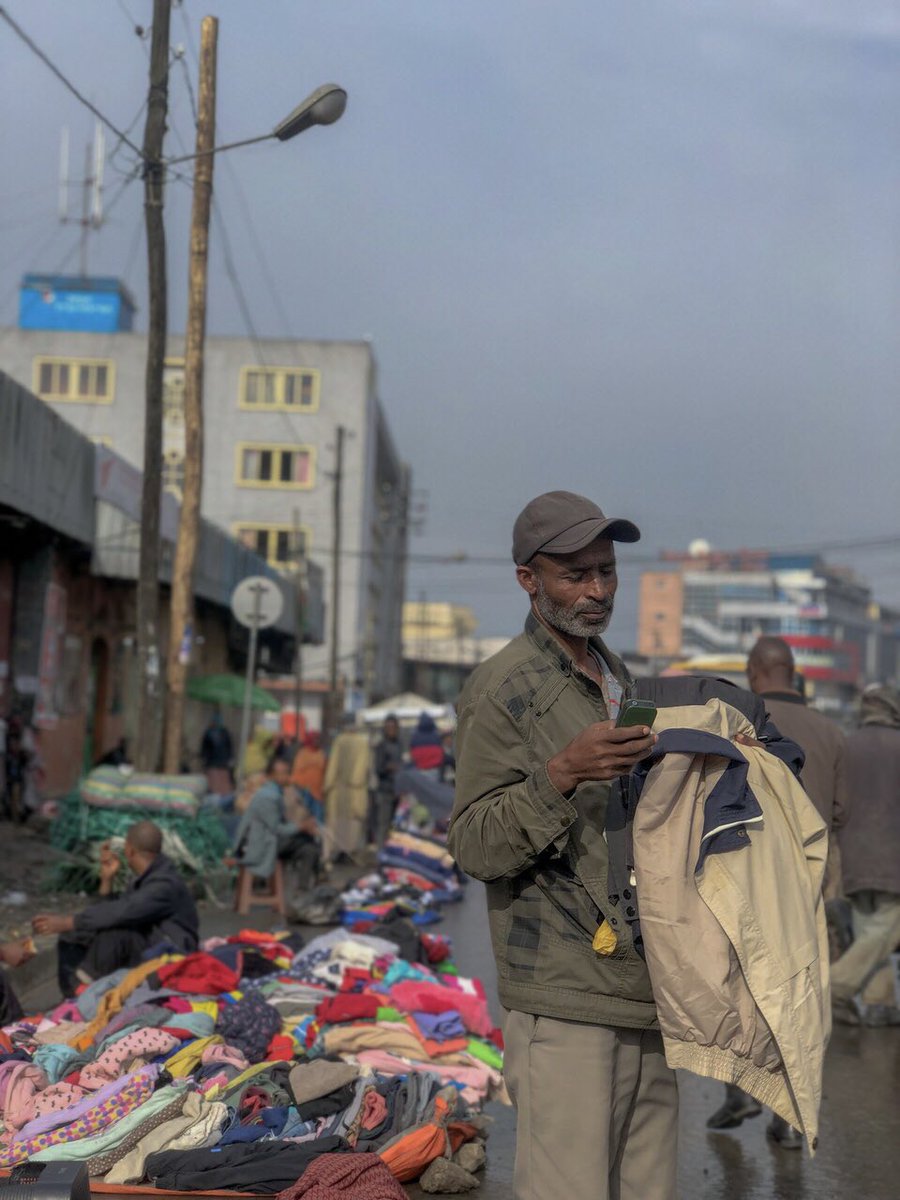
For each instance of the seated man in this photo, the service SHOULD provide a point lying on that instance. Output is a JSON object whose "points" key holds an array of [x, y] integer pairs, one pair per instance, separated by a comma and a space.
{"points": [[116, 931], [276, 826]]}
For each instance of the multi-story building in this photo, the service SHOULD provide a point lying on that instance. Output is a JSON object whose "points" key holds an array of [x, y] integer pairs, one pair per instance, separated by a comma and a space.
{"points": [[272, 411], [711, 607]]}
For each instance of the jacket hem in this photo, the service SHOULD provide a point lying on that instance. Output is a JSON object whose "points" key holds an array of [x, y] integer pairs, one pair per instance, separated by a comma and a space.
{"points": [[714, 1062], [566, 1004]]}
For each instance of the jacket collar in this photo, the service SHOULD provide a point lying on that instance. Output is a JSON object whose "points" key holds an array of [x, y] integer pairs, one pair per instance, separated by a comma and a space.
{"points": [[160, 863], [562, 659]]}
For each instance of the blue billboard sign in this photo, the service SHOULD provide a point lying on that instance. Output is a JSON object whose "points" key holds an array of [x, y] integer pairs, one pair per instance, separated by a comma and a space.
{"points": [[93, 305]]}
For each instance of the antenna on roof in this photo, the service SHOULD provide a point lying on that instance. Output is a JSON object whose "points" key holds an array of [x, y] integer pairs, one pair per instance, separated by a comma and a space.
{"points": [[91, 186]]}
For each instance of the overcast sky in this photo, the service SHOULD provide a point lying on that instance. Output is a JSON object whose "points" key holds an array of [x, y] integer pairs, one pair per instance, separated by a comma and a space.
{"points": [[644, 249]]}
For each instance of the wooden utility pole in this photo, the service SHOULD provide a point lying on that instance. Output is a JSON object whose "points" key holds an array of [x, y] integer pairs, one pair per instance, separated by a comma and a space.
{"points": [[334, 704], [182, 606], [149, 699], [300, 555]]}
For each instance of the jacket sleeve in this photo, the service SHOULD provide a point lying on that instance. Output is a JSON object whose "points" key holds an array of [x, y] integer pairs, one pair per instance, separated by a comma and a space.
{"points": [[135, 909], [507, 813], [841, 808]]}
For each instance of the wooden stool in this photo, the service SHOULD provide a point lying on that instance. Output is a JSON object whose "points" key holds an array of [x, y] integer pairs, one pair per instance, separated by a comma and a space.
{"points": [[246, 898]]}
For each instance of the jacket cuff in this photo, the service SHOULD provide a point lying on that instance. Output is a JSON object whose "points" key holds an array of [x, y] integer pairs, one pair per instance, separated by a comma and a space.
{"points": [[554, 811]]}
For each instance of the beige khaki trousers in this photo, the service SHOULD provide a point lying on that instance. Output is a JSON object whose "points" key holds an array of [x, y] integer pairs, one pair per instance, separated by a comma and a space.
{"points": [[597, 1111], [876, 933]]}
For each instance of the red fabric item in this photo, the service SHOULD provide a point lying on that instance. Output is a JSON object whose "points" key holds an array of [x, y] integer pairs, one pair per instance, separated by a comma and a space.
{"points": [[75, 1078], [348, 1007], [414, 996], [426, 758], [199, 974], [436, 947], [496, 1036], [6, 1046], [355, 978], [281, 1048], [178, 1004], [345, 1177], [312, 1032]]}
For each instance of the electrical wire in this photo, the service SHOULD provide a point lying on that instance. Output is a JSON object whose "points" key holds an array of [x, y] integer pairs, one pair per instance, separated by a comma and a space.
{"points": [[36, 50]]}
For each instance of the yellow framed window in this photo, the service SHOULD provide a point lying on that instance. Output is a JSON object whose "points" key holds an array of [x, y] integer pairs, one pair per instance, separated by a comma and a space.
{"points": [[267, 388], [274, 466], [75, 380], [281, 545]]}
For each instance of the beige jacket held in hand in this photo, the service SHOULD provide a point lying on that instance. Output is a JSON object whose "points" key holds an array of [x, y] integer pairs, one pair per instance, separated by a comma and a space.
{"points": [[737, 950]]}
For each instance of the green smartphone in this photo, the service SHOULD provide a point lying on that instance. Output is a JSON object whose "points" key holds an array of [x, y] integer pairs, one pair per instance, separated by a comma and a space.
{"points": [[636, 712]]}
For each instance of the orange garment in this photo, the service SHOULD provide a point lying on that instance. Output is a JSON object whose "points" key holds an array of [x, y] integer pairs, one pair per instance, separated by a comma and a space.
{"points": [[435, 1049], [408, 1157], [308, 771], [114, 1000]]}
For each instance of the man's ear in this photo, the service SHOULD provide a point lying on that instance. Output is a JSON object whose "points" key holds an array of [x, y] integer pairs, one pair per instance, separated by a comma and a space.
{"points": [[527, 577]]}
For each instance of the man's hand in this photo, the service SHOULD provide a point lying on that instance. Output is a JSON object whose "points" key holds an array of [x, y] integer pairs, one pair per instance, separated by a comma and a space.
{"points": [[599, 753], [16, 953], [109, 868], [744, 739], [52, 923]]}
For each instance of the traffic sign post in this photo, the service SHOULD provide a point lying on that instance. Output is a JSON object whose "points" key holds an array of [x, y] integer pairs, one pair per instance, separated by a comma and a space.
{"points": [[257, 603]]}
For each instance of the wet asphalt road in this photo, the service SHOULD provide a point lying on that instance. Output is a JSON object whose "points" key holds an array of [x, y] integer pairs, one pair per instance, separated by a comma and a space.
{"points": [[859, 1141]]}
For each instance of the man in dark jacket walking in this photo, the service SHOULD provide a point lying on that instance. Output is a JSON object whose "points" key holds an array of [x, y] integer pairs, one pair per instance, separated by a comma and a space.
{"points": [[870, 845], [537, 751], [116, 931]]}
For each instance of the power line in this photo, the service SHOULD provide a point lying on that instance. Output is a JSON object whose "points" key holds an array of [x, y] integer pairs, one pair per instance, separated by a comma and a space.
{"points": [[36, 50]]}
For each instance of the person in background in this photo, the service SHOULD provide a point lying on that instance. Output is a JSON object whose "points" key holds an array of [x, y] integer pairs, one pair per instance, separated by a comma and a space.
{"points": [[260, 749], [274, 829], [308, 768], [772, 675], [346, 792], [870, 846], [17, 759], [116, 931], [426, 747], [388, 761], [217, 756], [12, 954]]}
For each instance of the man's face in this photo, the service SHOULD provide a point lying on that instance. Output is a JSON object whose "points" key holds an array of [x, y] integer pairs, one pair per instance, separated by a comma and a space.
{"points": [[574, 593], [391, 730], [281, 772]]}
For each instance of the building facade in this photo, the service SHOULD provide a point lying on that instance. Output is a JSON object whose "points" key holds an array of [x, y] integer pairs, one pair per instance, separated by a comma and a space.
{"points": [[711, 607], [272, 410], [69, 525]]}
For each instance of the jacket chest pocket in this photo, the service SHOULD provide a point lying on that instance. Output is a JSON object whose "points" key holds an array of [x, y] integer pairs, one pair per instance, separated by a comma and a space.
{"points": [[557, 712]]}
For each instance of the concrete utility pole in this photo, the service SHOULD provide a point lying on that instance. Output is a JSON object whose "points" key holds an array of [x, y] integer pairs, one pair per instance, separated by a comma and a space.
{"points": [[334, 705], [149, 700], [182, 605]]}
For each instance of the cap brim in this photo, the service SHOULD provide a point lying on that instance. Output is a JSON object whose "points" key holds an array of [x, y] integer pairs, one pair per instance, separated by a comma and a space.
{"points": [[617, 529]]}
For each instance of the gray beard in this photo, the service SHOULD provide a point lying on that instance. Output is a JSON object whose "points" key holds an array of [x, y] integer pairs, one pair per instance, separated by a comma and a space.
{"points": [[565, 620]]}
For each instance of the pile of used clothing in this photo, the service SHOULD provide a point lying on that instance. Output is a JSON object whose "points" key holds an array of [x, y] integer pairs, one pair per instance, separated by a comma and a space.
{"points": [[416, 878], [261, 1065]]}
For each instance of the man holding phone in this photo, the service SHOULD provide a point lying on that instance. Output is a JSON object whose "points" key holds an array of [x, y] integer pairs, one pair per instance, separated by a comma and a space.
{"points": [[538, 751]]}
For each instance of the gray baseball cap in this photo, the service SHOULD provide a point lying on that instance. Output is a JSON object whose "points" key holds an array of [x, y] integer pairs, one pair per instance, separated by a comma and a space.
{"points": [[563, 522]]}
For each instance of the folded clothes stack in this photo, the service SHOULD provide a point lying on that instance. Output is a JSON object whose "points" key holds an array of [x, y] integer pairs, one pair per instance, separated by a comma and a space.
{"points": [[261, 1065]]}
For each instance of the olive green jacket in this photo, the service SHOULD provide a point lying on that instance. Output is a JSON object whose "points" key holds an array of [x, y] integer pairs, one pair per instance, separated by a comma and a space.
{"points": [[542, 855]]}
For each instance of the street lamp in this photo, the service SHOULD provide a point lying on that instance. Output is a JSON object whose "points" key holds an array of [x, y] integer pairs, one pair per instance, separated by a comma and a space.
{"points": [[322, 107]]}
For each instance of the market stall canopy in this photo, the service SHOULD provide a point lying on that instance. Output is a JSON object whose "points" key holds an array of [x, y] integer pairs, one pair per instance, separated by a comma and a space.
{"points": [[229, 690]]}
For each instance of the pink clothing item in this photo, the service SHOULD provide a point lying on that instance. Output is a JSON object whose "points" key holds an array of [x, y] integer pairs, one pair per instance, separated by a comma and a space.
{"points": [[134, 1091], [477, 1082], [19, 1085], [57, 1098], [67, 1011], [414, 996], [227, 1055], [116, 1060], [215, 1081]]}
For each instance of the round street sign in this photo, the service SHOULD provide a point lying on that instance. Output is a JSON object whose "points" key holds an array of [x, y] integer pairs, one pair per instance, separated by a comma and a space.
{"points": [[257, 602]]}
